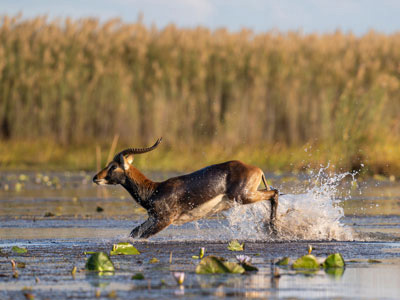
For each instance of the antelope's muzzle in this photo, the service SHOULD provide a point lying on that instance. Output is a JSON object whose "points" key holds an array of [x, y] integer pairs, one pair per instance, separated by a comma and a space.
{"points": [[98, 181]]}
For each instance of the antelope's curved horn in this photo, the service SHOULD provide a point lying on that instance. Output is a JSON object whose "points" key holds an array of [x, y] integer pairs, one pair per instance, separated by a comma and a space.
{"points": [[138, 150]]}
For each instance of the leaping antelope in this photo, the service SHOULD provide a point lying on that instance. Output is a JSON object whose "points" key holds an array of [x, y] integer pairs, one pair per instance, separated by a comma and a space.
{"points": [[189, 197]]}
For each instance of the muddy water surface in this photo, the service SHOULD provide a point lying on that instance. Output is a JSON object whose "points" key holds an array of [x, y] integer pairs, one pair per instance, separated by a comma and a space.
{"points": [[59, 216]]}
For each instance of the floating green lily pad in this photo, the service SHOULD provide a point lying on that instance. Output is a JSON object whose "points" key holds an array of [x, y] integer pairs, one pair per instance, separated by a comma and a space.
{"points": [[283, 261], [138, 276], [249, 267], [124, 249], [235, 246], [217, 265], [306, 262], [19, 250], [334, 261], [99, 262], [154, 260], [374, 261]]}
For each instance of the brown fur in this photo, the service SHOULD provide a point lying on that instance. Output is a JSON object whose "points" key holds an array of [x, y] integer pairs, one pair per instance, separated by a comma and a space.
{"points": [[182, 199]]}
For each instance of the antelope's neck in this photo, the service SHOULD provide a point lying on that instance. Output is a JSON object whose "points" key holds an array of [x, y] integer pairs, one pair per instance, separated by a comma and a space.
{"points": [[139, 186]]}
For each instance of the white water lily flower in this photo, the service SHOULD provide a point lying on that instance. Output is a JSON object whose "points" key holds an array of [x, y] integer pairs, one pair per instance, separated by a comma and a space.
{"points": [[242, 259], [179, 277]]}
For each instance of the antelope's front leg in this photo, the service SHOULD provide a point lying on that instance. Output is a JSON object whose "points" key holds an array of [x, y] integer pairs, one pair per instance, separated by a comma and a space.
{"points": [[150, 227], [156, 227], [137, 231]]}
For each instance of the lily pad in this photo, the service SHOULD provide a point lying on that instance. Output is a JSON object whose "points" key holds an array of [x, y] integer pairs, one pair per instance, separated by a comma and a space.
{"points": [[308, 261], [154, 260], [283, 261], [124, 248], [217, 265], [235, 246], [374, 261], [334, 261], [138, 276], [19, 250], [99, 262], [249, 267]]}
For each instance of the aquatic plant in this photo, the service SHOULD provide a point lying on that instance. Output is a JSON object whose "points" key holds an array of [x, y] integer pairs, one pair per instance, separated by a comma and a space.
{"points": [[217, 265], [19, 250], [124, 249], [201, 254], [283, 261], [334, 261], [245, 262], [154, 260], [243, 259], [235, 246], [179, 277], [138, 276], [99, 262], [306, 262]]}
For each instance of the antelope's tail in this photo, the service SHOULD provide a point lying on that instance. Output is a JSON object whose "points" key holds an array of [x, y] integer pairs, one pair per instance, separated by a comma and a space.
{"points": [[269, 188], [265, 182]]}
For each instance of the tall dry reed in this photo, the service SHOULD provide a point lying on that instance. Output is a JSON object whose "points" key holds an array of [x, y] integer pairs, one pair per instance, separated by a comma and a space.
{"points": [[77, 81]]}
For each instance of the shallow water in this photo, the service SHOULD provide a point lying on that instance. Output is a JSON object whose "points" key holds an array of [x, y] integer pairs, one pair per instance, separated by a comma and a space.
{"points": [[58, 216]]}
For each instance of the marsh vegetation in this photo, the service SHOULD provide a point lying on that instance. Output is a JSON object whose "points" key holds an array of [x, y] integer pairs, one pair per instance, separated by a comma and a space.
{"points": [[67, 85]]}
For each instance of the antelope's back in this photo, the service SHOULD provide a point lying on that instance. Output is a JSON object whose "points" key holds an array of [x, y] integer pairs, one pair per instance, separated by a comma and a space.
{"points": [[211, 181]]}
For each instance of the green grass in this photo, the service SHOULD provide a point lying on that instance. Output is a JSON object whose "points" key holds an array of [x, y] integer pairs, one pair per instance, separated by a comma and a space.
{"points": [[41, 155]]}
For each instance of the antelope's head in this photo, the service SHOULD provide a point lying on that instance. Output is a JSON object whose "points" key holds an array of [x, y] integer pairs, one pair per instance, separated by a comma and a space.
{"points": [[116, 171]]}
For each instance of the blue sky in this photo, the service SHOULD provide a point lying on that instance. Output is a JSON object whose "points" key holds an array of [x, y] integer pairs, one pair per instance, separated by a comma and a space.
{"points": [[321, 16]]}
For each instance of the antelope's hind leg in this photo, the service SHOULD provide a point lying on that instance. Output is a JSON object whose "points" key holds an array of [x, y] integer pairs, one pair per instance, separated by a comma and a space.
{"points": [[270, 195], [274, 199]]}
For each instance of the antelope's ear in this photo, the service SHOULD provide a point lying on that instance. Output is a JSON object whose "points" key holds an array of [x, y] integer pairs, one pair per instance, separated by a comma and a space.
{"points": [[126, 161], [129, 158]]}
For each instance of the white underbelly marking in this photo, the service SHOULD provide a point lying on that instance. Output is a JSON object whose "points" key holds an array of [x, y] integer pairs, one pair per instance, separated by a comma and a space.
{"points": [[212, 206]]}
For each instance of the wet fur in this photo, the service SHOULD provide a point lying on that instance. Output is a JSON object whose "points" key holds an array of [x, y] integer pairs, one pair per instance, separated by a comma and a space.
{"points": [[189, 197]]}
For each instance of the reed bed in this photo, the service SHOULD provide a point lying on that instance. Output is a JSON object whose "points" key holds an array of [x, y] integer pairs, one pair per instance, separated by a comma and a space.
{"points": [[77, 83]]}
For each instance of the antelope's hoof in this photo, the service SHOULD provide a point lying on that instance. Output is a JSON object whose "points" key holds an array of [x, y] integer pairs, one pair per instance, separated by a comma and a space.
{"points": [[134, 234], [272, 229]]}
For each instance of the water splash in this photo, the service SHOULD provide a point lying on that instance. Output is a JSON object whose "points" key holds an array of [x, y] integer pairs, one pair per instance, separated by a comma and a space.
{"points": [[313, 214]]}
